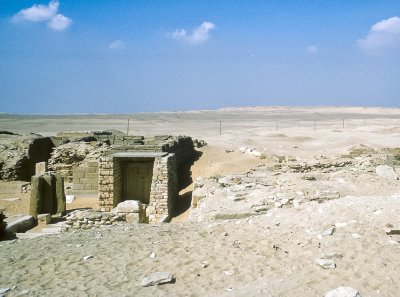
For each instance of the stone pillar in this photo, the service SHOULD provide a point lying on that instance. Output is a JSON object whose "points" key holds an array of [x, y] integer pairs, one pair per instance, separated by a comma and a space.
{"points": [[60, 195], [47, 195], [36, 192]]}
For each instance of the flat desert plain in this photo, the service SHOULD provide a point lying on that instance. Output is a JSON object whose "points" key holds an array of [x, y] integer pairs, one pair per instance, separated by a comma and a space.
{"points": [[286, 202]]}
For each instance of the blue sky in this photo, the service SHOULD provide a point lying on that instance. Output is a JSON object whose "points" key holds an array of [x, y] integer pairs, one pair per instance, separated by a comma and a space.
{"points": [[64, 57]]}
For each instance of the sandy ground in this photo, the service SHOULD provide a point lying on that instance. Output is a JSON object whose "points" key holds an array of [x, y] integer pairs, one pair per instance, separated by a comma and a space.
{"points": [[271, 254]]}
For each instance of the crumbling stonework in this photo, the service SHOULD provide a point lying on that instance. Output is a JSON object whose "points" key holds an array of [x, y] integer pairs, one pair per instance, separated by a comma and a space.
{"points": [[19, 155], [89, 219]]}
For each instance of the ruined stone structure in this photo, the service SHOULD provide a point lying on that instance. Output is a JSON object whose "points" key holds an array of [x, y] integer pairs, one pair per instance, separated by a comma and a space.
{"points": [[116, 166], [148, 177], [19, 155], [149, 172]]}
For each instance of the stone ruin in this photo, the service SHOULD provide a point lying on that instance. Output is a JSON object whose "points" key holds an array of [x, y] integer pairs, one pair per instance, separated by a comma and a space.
{"points": [[20, 153], [114, 166], [151, 172], [119, 168]]}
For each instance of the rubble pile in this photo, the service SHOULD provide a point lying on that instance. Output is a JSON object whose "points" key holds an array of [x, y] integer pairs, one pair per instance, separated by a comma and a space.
{"points": [[19, 154], [90, 219], [67, 156], [290, 182]]}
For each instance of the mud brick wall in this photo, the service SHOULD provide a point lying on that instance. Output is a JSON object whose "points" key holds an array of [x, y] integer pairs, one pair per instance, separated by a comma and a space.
{"points": [[85, 178]]}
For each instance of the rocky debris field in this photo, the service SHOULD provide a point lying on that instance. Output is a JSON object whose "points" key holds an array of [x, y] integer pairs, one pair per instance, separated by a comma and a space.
{"points": [[289, 182], [305, 251]]}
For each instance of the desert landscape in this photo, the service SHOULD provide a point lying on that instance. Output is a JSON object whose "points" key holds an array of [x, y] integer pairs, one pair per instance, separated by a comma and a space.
{"points": [[282, 201]]}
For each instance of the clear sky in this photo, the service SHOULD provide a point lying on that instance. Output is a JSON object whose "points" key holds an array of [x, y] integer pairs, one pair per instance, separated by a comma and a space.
{"points": [[64, 57]]}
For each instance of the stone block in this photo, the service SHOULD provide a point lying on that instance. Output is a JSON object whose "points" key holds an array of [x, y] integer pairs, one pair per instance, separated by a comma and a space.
{"points": [[132, 218], [20, 224], [129, 206], [91, 170], [80, 169], [44, 218], [40, 168], [93, 164], [78, 175], [89, 180], [91, 175], [79, 187]]}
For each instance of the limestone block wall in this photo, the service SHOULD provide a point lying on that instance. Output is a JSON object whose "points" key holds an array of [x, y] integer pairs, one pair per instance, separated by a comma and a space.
{"points": [[106, 183], [85, 178], [163, 186]]}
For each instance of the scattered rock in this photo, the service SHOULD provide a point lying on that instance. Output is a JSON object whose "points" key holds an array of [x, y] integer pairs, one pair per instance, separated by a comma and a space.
{"points": [[4, 290], [385, 171], [391, 231], [343, 292], [325, 263], [340, 225], [328, 231], [356, 236], [203, 264], [69, 198], [157, 278], [129, 206], [229, 272], [44, 218], [19, 224], [88, 257], [322, 195], [198, 143], [152, 255]]}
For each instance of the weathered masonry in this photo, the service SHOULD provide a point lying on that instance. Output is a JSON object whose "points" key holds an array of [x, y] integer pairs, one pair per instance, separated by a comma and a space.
{"points": [[145, 172], [148, 177]]}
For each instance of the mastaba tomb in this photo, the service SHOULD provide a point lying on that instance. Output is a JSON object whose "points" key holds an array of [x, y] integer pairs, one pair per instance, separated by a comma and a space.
{"points": [[116, 166], [152, 172]]}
